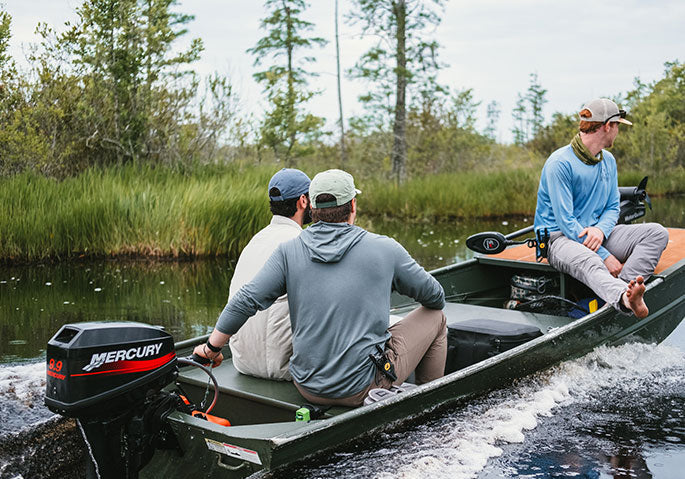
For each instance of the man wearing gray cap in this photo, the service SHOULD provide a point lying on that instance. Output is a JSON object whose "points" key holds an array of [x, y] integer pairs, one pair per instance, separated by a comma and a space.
{"points": [[578, 205], [339, 278], [263, 346]]}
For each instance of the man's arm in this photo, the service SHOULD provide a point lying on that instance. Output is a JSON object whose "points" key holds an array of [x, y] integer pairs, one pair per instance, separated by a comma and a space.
{"points": [[412, 280], [257, 295], [561, 196]]}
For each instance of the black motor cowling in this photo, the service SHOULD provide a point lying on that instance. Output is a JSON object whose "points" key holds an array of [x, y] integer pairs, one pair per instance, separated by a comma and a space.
{"points": [[633, 200], [110, 376], [106, 363]]}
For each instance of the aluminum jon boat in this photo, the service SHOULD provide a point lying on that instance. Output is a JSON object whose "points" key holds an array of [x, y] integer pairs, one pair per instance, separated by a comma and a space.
{"points": [[123, 383]]}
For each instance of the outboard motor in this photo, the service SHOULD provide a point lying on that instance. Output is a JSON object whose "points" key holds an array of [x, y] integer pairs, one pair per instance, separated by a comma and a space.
{"points": [[110, 376], [633, 200]]}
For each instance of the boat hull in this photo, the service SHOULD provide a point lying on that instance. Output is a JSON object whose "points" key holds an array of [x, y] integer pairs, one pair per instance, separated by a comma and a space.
{"points": [[280, 444]]}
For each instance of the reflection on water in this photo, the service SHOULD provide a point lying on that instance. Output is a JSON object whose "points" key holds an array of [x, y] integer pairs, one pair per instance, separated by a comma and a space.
{"points": [[186, 297], [36, 300]]}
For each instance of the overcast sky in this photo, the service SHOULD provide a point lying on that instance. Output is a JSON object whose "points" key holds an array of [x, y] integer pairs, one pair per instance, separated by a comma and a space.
{"points": [[579, 49]]}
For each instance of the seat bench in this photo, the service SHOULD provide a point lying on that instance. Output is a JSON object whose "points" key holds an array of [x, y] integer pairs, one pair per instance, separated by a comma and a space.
{"points": [[243, 389]]}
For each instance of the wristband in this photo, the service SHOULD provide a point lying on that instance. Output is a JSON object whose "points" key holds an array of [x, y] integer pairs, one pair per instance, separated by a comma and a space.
{"points": [[214, 349]]}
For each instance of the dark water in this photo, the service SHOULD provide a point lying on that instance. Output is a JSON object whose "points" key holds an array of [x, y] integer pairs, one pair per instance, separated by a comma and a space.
{"points": [[618, 412]]}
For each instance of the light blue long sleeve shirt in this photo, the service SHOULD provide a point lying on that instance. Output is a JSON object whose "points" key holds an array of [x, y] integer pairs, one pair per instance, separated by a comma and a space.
{"points": [[573, 196]]}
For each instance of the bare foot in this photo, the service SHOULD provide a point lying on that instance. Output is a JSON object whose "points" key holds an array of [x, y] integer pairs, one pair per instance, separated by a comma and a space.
{"points": [[633, 297]]}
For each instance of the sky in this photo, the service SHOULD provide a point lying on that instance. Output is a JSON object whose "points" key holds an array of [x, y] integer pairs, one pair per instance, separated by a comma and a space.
{"points": [[579, 49]]}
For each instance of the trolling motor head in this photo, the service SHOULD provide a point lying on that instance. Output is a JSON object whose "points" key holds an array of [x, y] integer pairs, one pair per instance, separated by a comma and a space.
{"points": [[489, 242]]}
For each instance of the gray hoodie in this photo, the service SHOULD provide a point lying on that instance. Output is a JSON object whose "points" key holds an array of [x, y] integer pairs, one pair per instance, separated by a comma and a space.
{"points": [[338, 278]]}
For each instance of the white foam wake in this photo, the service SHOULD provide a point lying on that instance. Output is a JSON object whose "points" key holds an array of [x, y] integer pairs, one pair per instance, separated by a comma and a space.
{"points": [[22, 391], [461, 447]]}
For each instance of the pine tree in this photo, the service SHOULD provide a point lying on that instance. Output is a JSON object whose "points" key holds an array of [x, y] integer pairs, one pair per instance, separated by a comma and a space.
{"points": [[285, 84], [536, 101], [519, 130], [492, 115], [400, 60]]}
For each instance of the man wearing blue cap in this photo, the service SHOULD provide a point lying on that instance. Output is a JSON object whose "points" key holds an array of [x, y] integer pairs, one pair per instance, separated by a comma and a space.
{"points": [[339, 278], [263, 346]]}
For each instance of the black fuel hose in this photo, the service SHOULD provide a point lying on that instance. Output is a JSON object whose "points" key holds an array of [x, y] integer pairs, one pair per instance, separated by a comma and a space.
{"points": [[191, 361]]}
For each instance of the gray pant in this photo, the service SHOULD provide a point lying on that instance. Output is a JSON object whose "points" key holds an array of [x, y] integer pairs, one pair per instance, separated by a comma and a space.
{"points": [[638, 247]]}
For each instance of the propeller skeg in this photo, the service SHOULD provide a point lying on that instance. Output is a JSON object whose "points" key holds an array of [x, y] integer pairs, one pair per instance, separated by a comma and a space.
{"points": [[642, 187]]}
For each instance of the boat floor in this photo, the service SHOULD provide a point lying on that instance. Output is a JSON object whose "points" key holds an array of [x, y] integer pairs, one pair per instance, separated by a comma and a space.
{"points": [[283, 394]]}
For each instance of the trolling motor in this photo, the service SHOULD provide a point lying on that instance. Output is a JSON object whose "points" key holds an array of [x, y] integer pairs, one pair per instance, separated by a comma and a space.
{"points": [[111, 376], [632, 204], [633, 200]]}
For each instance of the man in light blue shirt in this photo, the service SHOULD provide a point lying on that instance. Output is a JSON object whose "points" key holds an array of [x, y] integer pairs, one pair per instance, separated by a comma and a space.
{"points": [[578, 204]]}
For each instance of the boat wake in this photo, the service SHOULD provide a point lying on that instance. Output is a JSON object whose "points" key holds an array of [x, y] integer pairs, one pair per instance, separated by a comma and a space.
{"points": [[22, 390], [34, 442], [459, 443]]}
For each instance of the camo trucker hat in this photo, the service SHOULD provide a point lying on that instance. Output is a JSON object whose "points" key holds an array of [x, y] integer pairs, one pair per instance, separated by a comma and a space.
{"points": [[289, 183], [605, 111], [338, 183]]}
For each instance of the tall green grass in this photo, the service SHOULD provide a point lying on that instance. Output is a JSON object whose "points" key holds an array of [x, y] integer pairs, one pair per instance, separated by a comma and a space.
{"points": [[465, 195], [132, 210], [143, 211]]}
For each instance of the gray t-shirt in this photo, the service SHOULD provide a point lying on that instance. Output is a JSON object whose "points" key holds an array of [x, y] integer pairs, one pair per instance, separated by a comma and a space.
{"points": [[338, 278]]}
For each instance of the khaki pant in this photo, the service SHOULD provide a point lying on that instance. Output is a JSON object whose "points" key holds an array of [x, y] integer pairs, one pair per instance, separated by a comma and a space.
{"points": [[418, 344]]}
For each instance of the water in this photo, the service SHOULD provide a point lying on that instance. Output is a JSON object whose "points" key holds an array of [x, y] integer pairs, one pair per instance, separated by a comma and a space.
{"points": [[618, 412]]}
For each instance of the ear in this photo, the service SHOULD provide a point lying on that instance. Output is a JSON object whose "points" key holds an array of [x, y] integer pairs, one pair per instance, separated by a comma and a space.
{"points": [[302, 202]]}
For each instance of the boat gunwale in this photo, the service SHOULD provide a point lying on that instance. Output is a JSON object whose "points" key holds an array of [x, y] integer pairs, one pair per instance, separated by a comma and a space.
{"points": [[606, 310]]}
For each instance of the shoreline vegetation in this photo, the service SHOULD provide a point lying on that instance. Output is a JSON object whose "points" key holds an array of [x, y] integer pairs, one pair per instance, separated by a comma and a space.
{"points": [[112, 144], [138, 211]]}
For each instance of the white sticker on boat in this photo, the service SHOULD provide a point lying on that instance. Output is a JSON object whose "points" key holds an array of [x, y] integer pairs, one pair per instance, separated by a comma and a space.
{"points": [[233, 451]]}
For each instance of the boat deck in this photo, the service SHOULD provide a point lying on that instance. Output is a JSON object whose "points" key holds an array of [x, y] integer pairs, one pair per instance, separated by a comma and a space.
{"points": [[674, 252]]}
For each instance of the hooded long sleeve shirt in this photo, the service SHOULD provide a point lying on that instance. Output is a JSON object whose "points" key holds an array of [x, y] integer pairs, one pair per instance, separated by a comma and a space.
{"points": [[573, 196], [338, 278]]}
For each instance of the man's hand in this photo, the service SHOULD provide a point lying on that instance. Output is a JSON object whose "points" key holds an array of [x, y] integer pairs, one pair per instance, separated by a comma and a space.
{"points": [[594, 238], [217, 339], [202, 351], [613, 265]]}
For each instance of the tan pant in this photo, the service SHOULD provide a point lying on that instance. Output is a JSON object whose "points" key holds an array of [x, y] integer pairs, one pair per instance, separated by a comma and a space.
{"points": [[418, 344]]}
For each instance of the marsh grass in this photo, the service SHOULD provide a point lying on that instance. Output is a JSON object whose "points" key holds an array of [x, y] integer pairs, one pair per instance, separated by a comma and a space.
{"points": [[132, 210], [210, 211]]}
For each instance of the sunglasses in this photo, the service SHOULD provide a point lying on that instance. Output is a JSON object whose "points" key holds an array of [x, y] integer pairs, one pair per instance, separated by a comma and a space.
{"points": [[620, 114]]}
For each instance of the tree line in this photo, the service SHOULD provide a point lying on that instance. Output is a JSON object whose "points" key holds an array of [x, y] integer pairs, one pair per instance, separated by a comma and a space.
{"points": [[111, 89]]}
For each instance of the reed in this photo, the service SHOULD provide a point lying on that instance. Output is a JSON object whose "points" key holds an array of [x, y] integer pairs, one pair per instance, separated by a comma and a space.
{"points": [[132, 210], [209, 211], [462, 195]]}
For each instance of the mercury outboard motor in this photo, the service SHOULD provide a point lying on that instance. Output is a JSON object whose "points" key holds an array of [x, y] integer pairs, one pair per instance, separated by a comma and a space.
{"points": [[110, 376]]}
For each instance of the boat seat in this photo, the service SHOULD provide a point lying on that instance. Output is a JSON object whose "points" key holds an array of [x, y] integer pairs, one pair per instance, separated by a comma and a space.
{"points": [[278, 394], [523, 256], [459, 312]]}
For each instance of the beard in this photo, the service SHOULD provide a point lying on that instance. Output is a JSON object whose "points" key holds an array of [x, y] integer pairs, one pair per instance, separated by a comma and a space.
{"points": [[307, 217]]}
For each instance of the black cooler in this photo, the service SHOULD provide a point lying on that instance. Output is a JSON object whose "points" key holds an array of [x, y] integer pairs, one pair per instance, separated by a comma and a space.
{"points": [[474, 340]]}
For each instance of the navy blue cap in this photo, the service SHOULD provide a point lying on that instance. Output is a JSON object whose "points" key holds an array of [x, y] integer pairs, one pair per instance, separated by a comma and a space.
{"points": [[290, 182]]}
